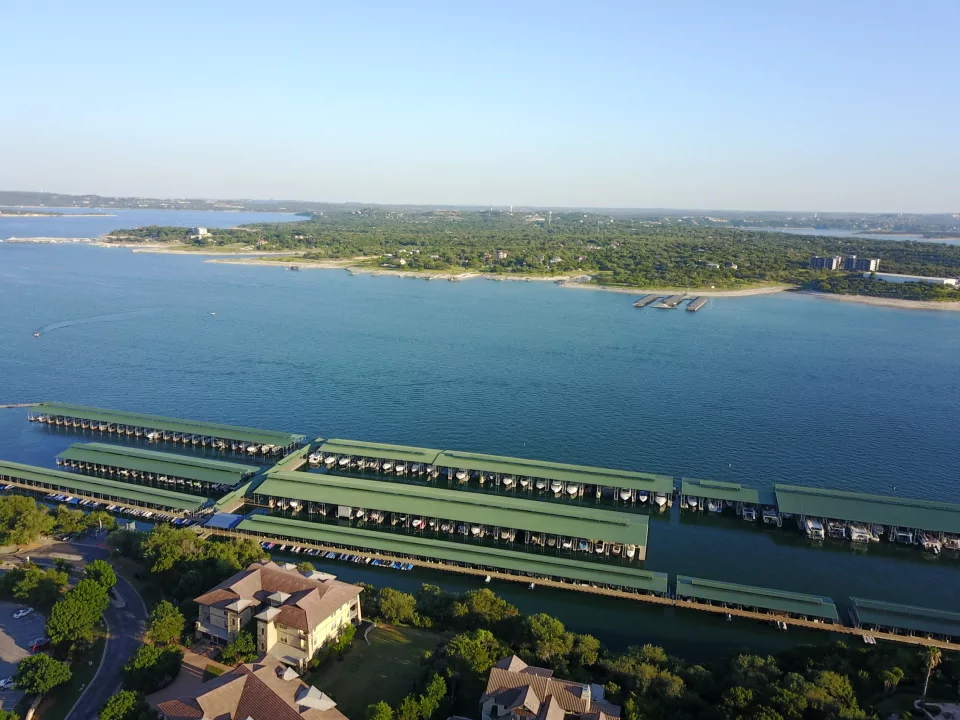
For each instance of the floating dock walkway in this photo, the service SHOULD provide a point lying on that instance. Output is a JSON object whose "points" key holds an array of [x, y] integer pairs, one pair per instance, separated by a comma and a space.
{"points": [[670, 303], [646, 300], [155, 427], [696, 304]]}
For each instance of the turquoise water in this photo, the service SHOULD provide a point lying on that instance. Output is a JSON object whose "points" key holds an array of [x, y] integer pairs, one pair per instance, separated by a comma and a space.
{"points": [[784, 388], [96, 222]]}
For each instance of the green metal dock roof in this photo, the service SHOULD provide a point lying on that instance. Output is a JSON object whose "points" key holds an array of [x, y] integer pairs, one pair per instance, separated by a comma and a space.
{"points": [[380, 451], [157, 422], [556, 471], [906, 617], [486, 557], [757, 597], [873, 509], [469, 507], [719, 490], [136, 494], [182, 466]]}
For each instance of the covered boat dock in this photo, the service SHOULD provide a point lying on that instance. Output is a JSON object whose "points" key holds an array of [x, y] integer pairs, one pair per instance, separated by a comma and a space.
{"points": [[155, 427], [748, 597], [484, 518], [160, 468], [905, 619], [864, 517], [359, 454], [477, 559], [716, 495], [39, 479], [560, 478]]}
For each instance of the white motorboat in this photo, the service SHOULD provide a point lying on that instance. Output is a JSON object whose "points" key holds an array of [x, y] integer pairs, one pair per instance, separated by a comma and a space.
{"points": [[417, 523], [330, 460], [476, 531], [573, 489], [253, 449], [540, 484], [813, 528], [507, 481], [524, 483], [693, 502], [400, 468], [858, 533], [153, 436], [556, 487], [387, 466], [343, 462], [749, 513], [644, 496], [461, 475], [431, 469], [660, 499], [624, 494], [617, 549], [600, 547], [415, 469], [713, 506]]}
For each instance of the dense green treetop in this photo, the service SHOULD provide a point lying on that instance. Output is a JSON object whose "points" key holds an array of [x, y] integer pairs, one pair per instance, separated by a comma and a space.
{"points": [[40, 673], [166, 623], [102, 573], [643, 252], [23, 520], [127, 705]]}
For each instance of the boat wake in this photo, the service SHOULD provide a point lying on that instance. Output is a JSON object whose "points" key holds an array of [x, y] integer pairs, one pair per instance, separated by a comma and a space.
{"points": [[95, 319]]}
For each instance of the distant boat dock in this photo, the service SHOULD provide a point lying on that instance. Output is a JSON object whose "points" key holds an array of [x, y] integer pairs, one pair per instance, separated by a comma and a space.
{"points": [[671, 302]]}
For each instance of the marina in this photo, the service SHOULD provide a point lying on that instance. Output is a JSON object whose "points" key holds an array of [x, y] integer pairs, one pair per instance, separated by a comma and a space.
{"points": [[696, 304], [531, 521], [645, 300]]}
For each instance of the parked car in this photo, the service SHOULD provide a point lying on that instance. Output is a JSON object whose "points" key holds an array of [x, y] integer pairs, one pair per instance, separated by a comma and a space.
{"points": [[6, 684], [21, 613], [41, 644]]}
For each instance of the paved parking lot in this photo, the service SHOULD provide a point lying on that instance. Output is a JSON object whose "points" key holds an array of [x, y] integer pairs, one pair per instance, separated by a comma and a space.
{"points": [[15, 637]]}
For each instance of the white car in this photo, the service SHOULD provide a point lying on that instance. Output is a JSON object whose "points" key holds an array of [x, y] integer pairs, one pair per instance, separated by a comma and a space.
{"points": [[6, 684], [22, 612]]}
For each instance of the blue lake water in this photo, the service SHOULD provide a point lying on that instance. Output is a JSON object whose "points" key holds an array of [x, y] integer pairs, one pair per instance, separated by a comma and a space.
{"points": [[785, 388], [93, 222]]}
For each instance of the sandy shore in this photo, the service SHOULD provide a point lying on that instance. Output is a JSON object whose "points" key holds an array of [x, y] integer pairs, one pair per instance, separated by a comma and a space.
{"points": [[888, 302], [745, 292]]}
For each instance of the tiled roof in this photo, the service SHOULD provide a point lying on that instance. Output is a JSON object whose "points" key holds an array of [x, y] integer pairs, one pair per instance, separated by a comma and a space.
{"points": [[511, 674], [257, 691], [306, 603]]}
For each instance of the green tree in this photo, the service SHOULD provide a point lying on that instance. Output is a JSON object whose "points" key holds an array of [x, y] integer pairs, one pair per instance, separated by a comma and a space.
{"points": [[40, 673], [378, 711], [549, 638], [166, 623], [306, 567], [475, 652], [396, 606], [482, 607], [70, 521], [8, 715], [128, 543], [152, 668], [166, 545], [891, 678], [75, 616], [409, 709], [101, 573], [242, 649], [127, 705], [932, 657], [22, 520], [586, 650], [432, 700], [34, 585], [101, 519]]}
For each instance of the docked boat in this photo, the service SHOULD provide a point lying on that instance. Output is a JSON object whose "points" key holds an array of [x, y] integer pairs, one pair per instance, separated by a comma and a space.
{"points": [[330, 460], [153, 436], [902, 535], [583, 546], [599, 547], [714, 506], [644, 496], [617, 549], [415, 469], [461, 475], [556, 487], [252, 449], [417, 523], [507, 480], [482, 479], [813, 528], [343, 462], [929, 542], [314, 459], [693, 502], [573, 489], [858, 533], [624, 494], [749, 513], [387, 466], [660, 499], [770, 515], [567, 544], [476, 531], [631, 551], [540, 484], [951, 542], [400, 468], [524, 483]]}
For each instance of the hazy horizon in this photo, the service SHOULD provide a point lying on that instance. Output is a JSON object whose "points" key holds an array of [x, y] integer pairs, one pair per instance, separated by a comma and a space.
{"points": [[827, 106]]}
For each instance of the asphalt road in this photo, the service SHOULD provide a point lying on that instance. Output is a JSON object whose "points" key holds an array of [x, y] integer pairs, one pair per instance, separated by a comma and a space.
{"points": [[125, 628]]}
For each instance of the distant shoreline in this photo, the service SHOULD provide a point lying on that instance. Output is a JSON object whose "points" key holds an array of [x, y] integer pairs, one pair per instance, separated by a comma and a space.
{"points": [[258, 257], [54, 215]]}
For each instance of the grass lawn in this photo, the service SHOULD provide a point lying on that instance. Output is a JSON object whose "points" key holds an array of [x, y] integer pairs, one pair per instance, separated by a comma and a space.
{"points": [[212, 671], [384, 670], [59, 702]]}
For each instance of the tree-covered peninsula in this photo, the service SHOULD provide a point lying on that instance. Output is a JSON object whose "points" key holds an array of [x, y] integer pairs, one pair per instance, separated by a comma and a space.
{"points": [[655, 252]]}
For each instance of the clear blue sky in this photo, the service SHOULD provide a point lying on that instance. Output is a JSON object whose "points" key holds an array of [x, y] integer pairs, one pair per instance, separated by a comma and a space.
{"points": [[730, 105]]}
